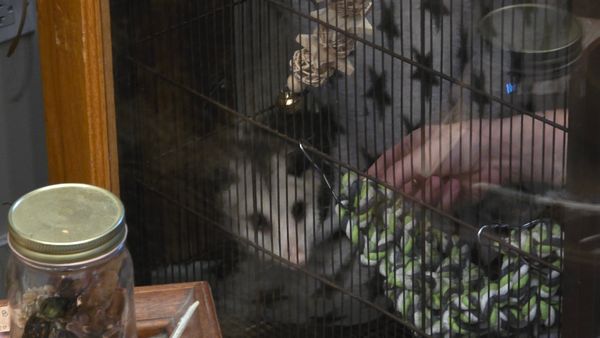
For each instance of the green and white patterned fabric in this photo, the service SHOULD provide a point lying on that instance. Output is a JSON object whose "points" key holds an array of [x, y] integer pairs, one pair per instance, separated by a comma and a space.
{"points": [[433, 279]]}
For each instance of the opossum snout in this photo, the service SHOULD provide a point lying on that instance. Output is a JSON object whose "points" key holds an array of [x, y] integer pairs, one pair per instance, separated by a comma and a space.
{"points": [[297, 258], [296, 254]]}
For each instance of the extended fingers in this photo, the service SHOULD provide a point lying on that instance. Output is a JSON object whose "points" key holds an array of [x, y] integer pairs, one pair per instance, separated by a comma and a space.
{"points": [[476, 185], [405, 171], [393, 155], [435, 190], [450, 193], [431, 190]]}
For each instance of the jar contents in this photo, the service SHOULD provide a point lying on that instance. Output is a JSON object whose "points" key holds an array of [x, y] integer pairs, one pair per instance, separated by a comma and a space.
{"points": [[89, 306], [74, 308]]}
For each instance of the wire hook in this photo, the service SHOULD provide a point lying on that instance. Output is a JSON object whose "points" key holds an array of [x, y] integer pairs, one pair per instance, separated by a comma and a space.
{"points": [[318, 169], [525, 226], [492, 226]]}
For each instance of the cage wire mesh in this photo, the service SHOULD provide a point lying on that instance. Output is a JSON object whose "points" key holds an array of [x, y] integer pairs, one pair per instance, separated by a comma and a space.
{"points": [[246, 128]]}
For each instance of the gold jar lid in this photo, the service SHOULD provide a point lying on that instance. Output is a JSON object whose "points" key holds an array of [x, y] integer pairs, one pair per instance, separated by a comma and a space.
{"points": [[66, 224]]}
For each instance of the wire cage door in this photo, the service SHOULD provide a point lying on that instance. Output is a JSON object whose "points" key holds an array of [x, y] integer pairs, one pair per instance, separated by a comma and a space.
{"points": [[362, 168]]}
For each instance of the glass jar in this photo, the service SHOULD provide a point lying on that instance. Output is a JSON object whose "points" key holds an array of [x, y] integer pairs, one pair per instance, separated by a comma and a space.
{"points": [[69, 274], [529, 51]]}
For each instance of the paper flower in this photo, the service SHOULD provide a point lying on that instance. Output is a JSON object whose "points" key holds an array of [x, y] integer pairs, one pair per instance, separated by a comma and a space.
{"points": [[308, 70], [324, 54], [356, 25], [340, 42], [327, 48], [349, 8]]}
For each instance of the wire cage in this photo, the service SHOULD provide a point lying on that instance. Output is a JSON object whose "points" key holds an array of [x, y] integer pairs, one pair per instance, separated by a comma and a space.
{"points": [[249, 134]]}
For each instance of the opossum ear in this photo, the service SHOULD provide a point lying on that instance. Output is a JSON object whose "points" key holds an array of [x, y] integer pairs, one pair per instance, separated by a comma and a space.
{"points": [[223, 178], [296, 163], [299, 211], [260, 222]]}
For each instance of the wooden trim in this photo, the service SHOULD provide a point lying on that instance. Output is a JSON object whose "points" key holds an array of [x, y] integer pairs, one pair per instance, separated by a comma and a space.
{"points": [[76, 62], [111, 126]]}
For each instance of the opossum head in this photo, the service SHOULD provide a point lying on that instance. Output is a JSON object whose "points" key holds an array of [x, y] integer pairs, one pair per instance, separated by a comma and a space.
{"points": [[273, 207]]}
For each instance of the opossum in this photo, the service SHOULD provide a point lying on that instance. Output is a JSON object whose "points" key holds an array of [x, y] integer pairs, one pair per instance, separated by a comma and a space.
{"points": [[279, 207]]}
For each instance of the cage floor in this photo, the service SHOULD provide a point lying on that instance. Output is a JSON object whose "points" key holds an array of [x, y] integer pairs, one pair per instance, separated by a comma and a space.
{"points": [[235, 327]]}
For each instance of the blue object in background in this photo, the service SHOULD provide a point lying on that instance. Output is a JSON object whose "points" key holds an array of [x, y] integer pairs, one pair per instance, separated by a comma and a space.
{"points": [[511, 88]]}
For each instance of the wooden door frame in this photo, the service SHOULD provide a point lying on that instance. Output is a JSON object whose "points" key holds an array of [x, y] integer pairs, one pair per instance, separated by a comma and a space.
{"points": [[77, 78]]}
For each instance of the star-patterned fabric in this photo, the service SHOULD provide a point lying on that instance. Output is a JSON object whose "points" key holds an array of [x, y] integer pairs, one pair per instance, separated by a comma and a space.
{"points": [[397, 86], [416, 62], [425, 62]]}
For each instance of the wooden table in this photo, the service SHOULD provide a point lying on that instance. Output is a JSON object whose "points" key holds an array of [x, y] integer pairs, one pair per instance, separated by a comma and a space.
{"points": [[159, 307]]}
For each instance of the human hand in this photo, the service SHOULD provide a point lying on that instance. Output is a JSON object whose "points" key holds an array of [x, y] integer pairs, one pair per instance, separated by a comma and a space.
{"points": [[438, 164]]}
